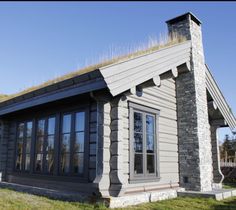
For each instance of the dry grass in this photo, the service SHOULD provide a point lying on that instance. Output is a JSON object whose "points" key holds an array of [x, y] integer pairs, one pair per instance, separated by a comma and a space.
{"points": [[113, 57]]}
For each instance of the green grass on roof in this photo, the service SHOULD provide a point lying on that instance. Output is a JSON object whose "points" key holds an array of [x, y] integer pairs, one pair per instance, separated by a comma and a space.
{"points": [[151, 46]]}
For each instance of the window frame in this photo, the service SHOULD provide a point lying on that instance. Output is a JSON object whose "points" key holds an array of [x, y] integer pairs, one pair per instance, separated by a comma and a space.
{"points": [[73, 112], [48, 113], [144, 177]]}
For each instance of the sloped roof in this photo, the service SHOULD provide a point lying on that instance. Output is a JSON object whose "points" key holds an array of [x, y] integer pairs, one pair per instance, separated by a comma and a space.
{"points": [[219, 99]]}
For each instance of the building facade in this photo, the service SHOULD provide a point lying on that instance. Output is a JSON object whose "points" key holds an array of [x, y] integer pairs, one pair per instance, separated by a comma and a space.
{"points": [[134, 131]]}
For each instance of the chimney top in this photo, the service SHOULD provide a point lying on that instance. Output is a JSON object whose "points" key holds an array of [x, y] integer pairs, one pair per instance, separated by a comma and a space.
{"points": [[183, 17]]}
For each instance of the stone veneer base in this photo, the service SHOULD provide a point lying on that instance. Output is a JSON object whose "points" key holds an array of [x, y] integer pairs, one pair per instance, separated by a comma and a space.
{"points": [[142, 197]]}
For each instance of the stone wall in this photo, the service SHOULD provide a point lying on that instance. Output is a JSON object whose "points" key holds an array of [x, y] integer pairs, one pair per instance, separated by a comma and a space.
{"points": [[193, 125]]}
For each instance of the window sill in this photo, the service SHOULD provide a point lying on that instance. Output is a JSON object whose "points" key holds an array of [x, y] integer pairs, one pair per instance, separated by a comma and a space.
{"points": [[144, 180]]}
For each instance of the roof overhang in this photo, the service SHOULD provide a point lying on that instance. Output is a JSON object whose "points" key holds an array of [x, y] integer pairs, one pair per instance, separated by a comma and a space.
{"points": [[221, 108], [127, 75], [71, 87]]}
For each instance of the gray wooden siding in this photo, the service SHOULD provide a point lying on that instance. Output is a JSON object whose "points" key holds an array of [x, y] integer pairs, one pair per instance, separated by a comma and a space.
{"points": [[162, 98], [124, 75], [92, 141]]}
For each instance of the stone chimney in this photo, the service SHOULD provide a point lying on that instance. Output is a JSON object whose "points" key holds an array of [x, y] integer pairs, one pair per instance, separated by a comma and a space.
{"points": [[195, 156]]}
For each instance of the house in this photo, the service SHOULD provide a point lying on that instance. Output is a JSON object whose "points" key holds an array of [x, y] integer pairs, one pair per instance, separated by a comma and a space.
{"points": [[135, 130]]}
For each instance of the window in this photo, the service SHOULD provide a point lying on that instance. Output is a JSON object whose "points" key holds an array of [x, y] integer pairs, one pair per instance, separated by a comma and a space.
{"points": [[23, 148], [72, 143], [54, 145], [45, 139], [143, 142]]}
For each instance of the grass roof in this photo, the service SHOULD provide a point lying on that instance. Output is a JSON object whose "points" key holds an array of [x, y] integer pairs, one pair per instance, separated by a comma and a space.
{"points": [[152, 45]]}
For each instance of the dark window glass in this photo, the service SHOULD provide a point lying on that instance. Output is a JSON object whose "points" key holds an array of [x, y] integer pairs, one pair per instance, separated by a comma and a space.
{"points": [[79, 142], [78, 163], [40, 127], [78, 156], [51, 126], [45, 141], [79, 121], [150, 164], [24, 139], [65, 162], [138, 142], [138, 122], [67, 123], [138, 163], [20, 143]]}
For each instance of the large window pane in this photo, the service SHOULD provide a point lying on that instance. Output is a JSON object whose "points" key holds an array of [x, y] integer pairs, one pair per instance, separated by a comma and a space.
{"points": [[138, 164], [51, 126], [40, 127], [79, 142], [150, 124], [78, 163], [50, 162], [66, 123], [138, 124], [150, 143], [27, 162], [79, 121], [21, 130], [50, 144], [28, 144], [150, 163], [65, 143], [39, 144], [19, 161], [138, 142], [39, 163], [65, 163], [29, 129]]}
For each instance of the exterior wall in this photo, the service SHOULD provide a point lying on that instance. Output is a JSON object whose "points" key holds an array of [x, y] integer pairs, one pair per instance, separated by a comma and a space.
{"points": [[162, 98], [7, 147], [4, 128], [195, 155]]}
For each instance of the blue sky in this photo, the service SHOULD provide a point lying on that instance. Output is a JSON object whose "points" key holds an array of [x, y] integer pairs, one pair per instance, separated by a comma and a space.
{"points": [[42, 40]]}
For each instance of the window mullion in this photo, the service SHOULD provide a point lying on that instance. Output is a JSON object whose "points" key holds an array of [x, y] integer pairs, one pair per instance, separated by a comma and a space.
{"points": [[32, 149], [45, 145], [24, 147], [72, 139], [144, 145]]}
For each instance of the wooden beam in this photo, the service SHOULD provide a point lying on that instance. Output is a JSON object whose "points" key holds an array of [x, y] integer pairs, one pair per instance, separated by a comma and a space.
{"points": [[174, 72], [212, 104], [133, 90], [185, 67], [157, 80]]}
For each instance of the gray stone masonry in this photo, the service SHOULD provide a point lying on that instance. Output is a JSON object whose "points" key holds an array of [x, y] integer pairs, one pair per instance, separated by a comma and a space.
{"points": [[195, 157]]}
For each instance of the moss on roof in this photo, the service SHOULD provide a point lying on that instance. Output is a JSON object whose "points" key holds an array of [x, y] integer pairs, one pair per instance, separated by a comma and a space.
{"points": [[148, 48]]}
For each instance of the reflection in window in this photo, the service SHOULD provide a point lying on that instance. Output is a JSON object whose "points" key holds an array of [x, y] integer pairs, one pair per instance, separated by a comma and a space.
{"points": [[19, 152], [45, 139], [144, 137], [24, 139], [72, 143], [50, 140], [65, 145], [78, 155], [39, 145]]}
